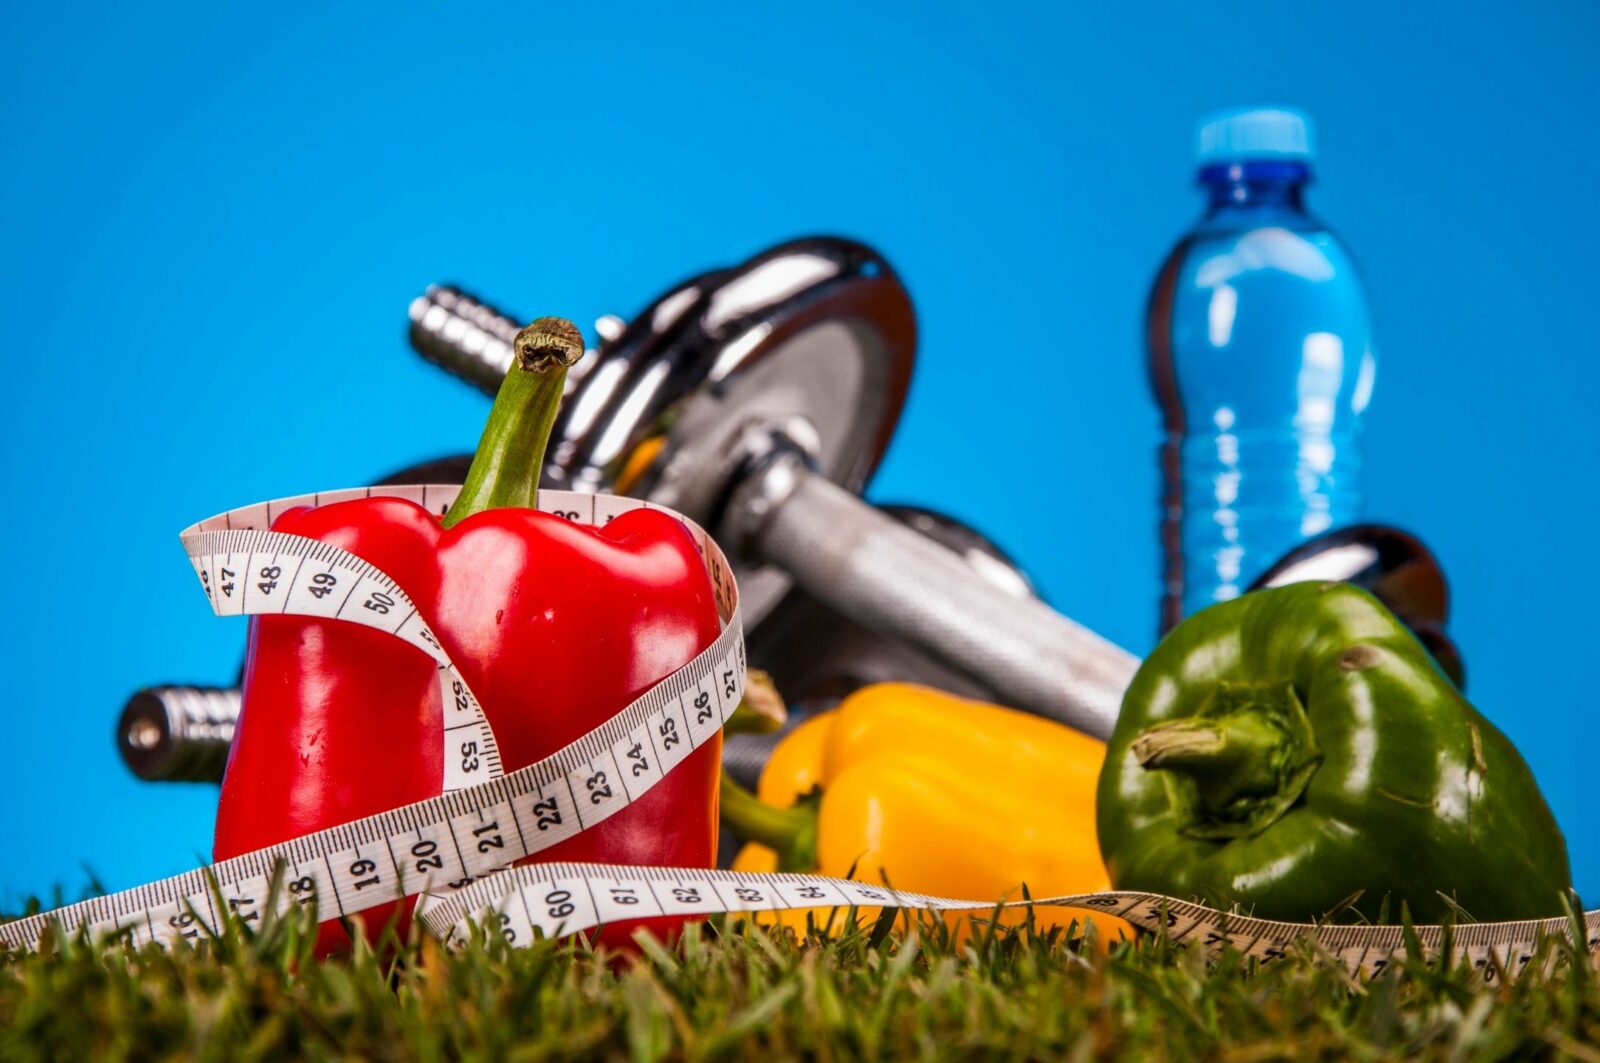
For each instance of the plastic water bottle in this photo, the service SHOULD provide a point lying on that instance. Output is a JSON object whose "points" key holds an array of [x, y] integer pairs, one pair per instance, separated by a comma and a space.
{"points": [[1261, 359]]}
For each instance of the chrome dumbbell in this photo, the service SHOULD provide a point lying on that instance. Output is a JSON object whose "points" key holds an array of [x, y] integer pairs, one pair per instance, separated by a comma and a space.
{"points": [[758, 400], [817, 657], [810, 292]]}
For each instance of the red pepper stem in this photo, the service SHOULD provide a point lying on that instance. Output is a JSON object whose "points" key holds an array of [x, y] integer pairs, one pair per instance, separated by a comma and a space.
{"points": [[510, 458], [790, 832]]}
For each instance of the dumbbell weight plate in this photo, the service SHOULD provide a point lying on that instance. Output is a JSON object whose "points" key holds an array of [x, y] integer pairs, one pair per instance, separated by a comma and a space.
{"points": [[814, 339]]}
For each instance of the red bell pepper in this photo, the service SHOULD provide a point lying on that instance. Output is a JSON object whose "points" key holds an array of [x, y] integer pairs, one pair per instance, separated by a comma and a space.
{"points": [[554, 625]]}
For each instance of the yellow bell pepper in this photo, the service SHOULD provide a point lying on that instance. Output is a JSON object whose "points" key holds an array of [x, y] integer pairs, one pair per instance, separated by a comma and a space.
{"points": [[933, 794]]}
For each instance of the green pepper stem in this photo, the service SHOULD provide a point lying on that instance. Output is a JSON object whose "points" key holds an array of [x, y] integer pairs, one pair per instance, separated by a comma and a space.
{"points": [[1237, 765], [790, 832], [1237, 747], [509, 461]]}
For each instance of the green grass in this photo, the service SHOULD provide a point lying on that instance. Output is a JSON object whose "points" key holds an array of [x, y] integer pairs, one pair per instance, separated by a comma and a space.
{"points": [[744, 993]]}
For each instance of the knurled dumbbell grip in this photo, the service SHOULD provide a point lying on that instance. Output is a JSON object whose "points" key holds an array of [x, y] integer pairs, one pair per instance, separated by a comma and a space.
{"points": [[887, 577], [466, 337]]}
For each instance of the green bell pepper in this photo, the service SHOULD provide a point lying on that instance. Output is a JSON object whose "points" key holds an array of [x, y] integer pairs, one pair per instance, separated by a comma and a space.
{"points": [[1295, 747]]}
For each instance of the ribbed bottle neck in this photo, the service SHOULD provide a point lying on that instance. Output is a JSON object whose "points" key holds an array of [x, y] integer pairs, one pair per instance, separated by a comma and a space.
{"points": [[1255, 183]]}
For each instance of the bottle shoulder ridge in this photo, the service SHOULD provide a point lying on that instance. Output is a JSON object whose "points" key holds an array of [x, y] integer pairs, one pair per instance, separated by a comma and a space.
{"points": [[1224, 256]]}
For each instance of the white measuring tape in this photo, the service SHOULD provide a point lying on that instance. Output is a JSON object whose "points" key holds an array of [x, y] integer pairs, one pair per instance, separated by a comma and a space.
{"points": [[554, 899], [456, 849], [484, 820]]}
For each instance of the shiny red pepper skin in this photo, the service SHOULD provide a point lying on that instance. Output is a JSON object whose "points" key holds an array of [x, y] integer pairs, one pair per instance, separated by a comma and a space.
{"points": [[555, 627]]}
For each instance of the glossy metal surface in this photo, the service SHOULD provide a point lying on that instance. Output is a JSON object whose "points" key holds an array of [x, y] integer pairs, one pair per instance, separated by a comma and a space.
{"points": [[178, 733], [1393, 564], [889, 578], [468, 339], [816, 655], [813, 340], [471, 340], [818, 331], [758, 401]]}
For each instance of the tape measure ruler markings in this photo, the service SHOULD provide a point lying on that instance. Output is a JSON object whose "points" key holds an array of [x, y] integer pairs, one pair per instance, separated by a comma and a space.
{"points": [[458, 840], [555, 899], [452, 839], [235, 556], [474, 827]]}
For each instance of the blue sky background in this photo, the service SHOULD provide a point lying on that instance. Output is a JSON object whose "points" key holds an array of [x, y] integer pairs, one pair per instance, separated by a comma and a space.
{"points": [[215, 215]]}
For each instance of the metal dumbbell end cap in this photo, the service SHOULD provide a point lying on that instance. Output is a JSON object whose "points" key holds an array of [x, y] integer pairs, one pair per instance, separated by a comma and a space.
{"points": [[178, 733]]}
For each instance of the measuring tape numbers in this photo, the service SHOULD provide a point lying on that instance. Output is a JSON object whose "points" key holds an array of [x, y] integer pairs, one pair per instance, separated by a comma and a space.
{"points": [[456, 850], [549, 900], [485, 820]]}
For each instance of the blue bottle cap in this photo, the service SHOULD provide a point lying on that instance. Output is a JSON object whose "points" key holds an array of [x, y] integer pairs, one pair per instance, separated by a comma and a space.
{"points": [[1242, 133]]}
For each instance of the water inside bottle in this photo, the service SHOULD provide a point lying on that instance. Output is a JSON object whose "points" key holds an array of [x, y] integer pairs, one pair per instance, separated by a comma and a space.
{"points": [[1261, 360]]}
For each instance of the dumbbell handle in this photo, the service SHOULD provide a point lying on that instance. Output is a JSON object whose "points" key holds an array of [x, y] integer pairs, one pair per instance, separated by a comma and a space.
{"points": [[467, 338], [471, 340], [887, 577]]}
